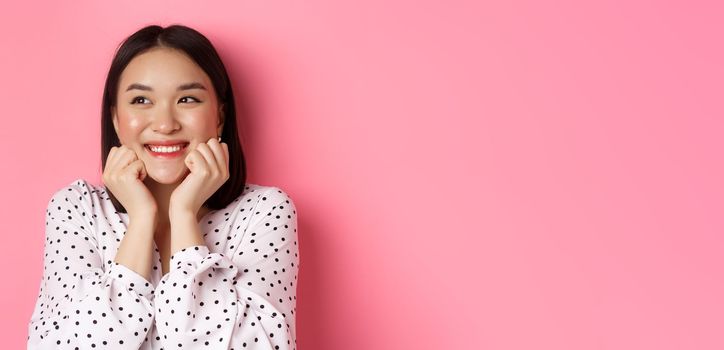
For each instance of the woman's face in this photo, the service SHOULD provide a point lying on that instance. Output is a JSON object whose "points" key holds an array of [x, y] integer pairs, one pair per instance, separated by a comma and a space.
{"points": [[163, 95]]}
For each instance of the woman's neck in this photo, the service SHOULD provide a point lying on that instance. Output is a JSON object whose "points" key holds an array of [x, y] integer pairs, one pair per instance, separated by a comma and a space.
{"points": [[162, 194]]}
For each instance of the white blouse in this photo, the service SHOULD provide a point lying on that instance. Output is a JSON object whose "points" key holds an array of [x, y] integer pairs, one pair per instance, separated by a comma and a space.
{"points": [[236, 292]]}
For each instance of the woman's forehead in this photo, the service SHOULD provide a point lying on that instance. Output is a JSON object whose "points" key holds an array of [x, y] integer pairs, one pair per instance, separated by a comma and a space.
{"points": [[163, 70]]}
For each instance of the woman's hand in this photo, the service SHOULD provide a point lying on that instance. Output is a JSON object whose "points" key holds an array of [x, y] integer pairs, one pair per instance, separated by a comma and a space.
{"points": [[123, 176], [209, 165]]}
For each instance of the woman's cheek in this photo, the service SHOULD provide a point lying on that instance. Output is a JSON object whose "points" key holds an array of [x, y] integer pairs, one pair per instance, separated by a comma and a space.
{"points": [[134, 121], [130, 127], [201, 121]]}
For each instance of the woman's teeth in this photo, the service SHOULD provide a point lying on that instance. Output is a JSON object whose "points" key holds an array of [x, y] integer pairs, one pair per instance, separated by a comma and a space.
{"points": [[166, 149]]}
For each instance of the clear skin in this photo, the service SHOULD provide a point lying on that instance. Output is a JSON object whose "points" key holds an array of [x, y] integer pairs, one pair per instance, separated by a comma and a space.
{"points": [[164, 197]]}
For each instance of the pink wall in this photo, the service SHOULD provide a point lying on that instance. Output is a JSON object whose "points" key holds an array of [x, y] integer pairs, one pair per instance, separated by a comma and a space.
{"points": [[535, 175]]}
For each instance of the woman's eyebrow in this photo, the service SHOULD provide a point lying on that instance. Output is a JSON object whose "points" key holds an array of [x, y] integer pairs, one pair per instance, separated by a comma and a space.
{"points": [[187, 86]]}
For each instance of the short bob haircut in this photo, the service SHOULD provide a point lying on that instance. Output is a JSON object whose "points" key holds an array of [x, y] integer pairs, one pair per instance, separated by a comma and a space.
{"points": [[201, 51]]}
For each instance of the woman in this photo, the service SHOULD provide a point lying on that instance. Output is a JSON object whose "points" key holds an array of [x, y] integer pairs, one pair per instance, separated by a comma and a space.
{"points": [[175, 250]]}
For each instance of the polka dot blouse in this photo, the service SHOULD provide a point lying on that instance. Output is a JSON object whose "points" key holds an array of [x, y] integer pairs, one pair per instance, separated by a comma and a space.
{"points": [[236, 292]]}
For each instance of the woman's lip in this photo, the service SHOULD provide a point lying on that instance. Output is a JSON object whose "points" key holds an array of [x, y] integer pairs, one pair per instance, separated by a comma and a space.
{"points": [[166, 155], [167, 145]]}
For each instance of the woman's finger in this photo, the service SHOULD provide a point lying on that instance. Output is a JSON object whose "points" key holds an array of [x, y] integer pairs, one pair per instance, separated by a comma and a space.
{"points": [[134, 170], [120, 158], [197, 163], [226, 156], [208, 155], [111, 155], [126, 156], [218, 150]]}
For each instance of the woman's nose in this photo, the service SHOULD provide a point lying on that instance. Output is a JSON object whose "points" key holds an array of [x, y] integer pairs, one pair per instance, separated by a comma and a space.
{"points": [[164, 121]]}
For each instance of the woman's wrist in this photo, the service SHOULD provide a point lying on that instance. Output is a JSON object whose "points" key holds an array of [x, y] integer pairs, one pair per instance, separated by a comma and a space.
{"points": [[145, 217]]}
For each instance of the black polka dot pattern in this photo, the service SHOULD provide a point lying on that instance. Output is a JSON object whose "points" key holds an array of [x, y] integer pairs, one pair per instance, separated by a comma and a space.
{"points": [[236, 292]]}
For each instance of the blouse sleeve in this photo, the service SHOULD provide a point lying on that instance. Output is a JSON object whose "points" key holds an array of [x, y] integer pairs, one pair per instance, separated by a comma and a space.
{"points": [[246, 299], [79, 304]]}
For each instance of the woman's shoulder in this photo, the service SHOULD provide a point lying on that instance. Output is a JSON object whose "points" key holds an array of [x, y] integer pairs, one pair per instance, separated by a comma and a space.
{"points": [[88, 194], [258, 198], [79, 191], [263, 194], [82, 186]]}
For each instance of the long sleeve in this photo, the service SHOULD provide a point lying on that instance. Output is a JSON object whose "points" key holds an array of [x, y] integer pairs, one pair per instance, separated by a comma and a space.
{"points": [[81, 305], [243, 299]]}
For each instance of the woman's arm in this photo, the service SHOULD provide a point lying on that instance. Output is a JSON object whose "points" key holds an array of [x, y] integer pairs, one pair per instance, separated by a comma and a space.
{"points": [[185, 231], [136, 248], [79, 304], [244, 300]]}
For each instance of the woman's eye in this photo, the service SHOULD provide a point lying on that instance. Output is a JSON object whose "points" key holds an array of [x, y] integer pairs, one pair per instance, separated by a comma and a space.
{"points": [[136, 98], [185, 97]]}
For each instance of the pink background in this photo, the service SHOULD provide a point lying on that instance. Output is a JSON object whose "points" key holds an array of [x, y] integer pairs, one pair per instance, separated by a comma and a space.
{"points": [[468, 175]]}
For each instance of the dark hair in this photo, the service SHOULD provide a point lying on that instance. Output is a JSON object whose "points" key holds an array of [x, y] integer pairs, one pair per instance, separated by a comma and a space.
{"points": [[201, 51]]}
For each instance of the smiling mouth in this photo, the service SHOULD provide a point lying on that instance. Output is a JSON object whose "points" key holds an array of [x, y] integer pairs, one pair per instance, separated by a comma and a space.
{"points": [[166, 151]]}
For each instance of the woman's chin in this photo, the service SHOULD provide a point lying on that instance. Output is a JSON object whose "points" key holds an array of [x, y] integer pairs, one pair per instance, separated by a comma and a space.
{"points": [[166, 176]]}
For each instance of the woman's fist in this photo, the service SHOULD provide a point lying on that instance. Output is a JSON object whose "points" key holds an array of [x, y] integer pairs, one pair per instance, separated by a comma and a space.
{"points": [[123, 176]]}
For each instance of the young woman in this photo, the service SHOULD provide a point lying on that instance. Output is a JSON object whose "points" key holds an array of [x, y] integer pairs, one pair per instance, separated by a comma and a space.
{"points": [[175, 250]]}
